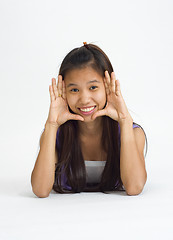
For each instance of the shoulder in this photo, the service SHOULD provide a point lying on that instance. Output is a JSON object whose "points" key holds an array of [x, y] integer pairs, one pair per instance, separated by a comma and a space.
{"points": [[139, 132], [140, 138], [139, 135], [135, 126]]}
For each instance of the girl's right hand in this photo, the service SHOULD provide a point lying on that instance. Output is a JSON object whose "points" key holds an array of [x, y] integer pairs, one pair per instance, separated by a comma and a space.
{"points": [[59, 112]]}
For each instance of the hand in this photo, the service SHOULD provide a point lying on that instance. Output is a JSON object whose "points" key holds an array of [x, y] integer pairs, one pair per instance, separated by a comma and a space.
{"points": [[115, 107], [59, 112]]}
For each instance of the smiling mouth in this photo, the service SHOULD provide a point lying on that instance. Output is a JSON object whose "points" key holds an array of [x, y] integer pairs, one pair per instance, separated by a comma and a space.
{"points": [[87, 110]]}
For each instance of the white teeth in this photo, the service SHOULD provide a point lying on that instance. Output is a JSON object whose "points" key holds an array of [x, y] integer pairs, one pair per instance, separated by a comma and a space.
{"points": [[86, 109]]}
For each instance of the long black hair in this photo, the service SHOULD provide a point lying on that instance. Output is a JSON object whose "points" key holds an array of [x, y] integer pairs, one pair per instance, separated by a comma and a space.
{"points": [[70, 158]]}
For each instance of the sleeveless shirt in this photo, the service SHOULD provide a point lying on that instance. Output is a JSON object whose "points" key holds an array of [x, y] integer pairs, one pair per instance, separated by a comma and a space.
{"points": [[94, 169]]}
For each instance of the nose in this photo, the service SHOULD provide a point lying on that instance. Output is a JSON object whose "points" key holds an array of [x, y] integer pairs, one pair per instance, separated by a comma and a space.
{"points": [[84, 98]]}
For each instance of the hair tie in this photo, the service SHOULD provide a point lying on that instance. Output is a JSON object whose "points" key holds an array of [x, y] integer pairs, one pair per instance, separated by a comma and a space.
{"points": [[86, 45]]}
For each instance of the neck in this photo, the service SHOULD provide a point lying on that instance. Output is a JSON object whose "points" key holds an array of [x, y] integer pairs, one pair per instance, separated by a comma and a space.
{"points": [[90, 129]]}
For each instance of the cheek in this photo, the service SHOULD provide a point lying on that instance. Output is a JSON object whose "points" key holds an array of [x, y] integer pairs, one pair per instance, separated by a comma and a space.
{"points": [[102, 96], [70, 100], [102, 99]]}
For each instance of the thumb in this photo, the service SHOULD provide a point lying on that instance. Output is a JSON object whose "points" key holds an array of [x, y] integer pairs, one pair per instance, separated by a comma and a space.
{"points": [[98, 114], [76, 117]]}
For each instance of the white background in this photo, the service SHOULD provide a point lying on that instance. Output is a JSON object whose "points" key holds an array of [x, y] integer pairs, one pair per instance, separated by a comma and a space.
{"points": [[35, 36]]}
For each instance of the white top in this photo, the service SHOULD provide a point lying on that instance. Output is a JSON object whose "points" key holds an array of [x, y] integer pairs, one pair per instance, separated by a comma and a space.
{"points": [[94, 170]]}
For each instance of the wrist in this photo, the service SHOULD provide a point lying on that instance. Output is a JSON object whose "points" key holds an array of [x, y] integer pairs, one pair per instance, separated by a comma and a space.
{"points": [[126, 121], [51, 125]]}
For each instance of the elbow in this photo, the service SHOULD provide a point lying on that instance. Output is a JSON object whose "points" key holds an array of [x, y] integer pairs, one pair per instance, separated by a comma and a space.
{"points": [[40, 191], [135, 190], [40, 194]]}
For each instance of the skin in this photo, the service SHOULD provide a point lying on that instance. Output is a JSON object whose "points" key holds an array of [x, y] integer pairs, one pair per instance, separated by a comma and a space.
{"points": [[95, 94], [106, 90], [85, 93]]}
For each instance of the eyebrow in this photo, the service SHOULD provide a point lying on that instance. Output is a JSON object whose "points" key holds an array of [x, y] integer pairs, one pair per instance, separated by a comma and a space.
{"points": [[92, 81]]}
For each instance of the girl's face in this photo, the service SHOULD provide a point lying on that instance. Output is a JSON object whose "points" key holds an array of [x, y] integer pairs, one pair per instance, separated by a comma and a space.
{"points": [[85, 92]]}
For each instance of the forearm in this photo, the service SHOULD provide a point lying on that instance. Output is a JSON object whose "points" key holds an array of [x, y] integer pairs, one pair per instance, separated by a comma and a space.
{"points": [[132, 166], [42, 177]]}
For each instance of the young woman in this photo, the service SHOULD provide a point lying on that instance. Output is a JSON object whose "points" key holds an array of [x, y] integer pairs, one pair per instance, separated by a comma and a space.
{"points": [[90, 142]]}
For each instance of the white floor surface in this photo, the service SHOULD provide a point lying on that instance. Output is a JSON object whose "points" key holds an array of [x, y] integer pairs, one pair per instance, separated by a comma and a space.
{"points": [[116, 215]]}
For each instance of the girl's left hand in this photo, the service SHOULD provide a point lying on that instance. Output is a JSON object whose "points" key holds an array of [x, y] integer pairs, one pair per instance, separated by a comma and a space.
{"points": [[115, 107]]}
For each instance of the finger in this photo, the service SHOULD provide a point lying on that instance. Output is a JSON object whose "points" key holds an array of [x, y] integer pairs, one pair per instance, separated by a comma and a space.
{"points": [[59, 85], [107, 77], [52, 96], [106, 87], [54, 87], [63, 90], [99, 114], [117, 88], [113, 79], [76, 117]]}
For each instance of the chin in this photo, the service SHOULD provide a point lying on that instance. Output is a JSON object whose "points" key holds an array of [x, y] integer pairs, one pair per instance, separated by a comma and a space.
{"points": [[88, 119]]}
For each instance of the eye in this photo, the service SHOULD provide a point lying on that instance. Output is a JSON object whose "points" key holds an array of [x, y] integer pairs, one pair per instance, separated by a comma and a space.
{"points": [[74, 90], [94, 87]]}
